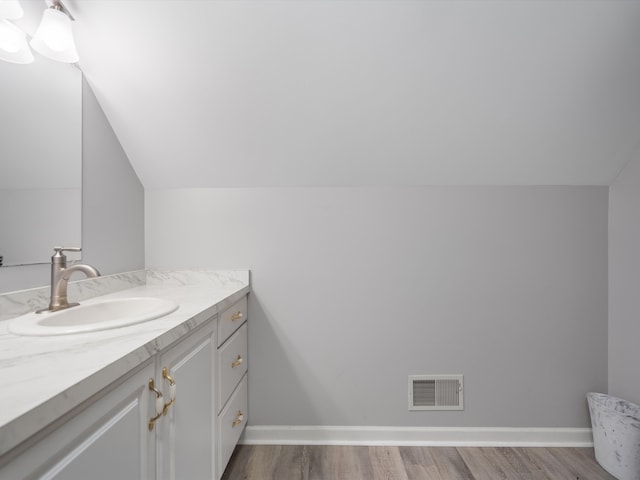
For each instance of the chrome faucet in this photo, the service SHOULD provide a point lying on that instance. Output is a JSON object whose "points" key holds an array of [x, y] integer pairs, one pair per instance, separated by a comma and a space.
{"points": [[60, 274]]}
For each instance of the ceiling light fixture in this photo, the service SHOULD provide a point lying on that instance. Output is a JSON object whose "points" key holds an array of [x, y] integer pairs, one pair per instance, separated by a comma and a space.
{"points": [[54, 38], [11, 9], [13, 44]]}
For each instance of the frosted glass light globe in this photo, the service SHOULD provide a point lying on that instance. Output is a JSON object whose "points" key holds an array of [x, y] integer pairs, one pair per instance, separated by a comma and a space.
{"points": [[54, 38], [13, 44]]}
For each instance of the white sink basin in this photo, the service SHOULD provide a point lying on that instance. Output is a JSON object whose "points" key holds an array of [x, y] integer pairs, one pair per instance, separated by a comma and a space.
{"points": [[91, 317]]}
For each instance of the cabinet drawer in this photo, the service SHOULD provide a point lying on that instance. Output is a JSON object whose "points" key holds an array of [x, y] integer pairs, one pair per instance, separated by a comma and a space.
{"points": [[231, 319], [231, 423], [232, 364]]}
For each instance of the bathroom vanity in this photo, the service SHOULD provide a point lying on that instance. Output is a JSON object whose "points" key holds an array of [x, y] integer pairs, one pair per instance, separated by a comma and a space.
{"points": [[163, 399]]}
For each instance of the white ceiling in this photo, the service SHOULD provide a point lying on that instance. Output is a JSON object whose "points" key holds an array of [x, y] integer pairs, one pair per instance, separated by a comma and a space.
{"points": [[206, 93]]}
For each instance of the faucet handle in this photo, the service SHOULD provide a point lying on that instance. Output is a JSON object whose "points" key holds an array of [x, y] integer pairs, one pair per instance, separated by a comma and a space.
{"points": [[60, 258], [67, 249]]}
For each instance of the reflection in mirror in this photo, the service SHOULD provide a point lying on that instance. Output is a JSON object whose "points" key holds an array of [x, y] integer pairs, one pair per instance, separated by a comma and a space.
{"points": [[41, 159]]}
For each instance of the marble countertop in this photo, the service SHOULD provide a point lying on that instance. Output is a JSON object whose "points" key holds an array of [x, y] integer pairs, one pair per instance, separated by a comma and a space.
{"points": [[43, 378]]}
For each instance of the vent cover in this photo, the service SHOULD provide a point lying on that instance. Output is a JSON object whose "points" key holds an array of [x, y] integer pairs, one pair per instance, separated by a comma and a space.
{"points": [[435, 392]]}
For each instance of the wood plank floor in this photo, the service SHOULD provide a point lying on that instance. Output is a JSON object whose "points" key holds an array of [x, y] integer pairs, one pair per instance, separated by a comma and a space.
{"points": [[315, 462]]}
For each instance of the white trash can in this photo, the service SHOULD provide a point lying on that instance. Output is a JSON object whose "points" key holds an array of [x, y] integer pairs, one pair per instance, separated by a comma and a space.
{"points": [[616, 435]]}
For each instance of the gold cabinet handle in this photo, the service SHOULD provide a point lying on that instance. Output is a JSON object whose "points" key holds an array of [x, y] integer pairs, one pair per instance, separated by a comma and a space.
{"points": [[159, 403], [172, 390], [238, 420], [237, 362], [236, 316]]}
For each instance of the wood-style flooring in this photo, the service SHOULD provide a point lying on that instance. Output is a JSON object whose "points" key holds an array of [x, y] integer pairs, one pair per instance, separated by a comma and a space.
{"points": [[315, 462]]}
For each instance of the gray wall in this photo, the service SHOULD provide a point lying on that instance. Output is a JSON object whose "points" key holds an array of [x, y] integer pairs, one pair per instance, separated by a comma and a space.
{"points": [[356, 288], [112, 206], [624, 283]]}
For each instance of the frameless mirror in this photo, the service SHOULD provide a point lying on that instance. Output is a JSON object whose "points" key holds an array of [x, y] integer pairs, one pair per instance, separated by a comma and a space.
{"points": [[41, 159]]}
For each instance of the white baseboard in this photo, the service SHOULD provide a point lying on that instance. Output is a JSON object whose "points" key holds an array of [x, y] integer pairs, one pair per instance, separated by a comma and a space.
{"points": [[417, 436]]}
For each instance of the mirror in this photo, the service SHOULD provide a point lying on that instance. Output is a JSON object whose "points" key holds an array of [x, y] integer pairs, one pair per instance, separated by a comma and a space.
{"points": [[41, 160]]}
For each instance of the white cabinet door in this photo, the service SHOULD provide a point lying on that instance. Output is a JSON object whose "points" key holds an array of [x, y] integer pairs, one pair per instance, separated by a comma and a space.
{"points": [[109, 439], [185, 435]]}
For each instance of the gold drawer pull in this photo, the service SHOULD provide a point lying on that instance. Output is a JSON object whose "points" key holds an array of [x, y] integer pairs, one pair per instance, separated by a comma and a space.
{"points": [[237, 362], [239, 419], [159, 403], [236, 316], [172, 390]]}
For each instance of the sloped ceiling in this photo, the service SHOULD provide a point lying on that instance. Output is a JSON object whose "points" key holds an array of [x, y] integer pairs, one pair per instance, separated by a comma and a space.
{"points": [[314, 93]]}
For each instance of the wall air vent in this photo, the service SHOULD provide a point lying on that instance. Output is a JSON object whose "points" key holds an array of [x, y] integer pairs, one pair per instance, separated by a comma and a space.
{"points": [[435, 392]]}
